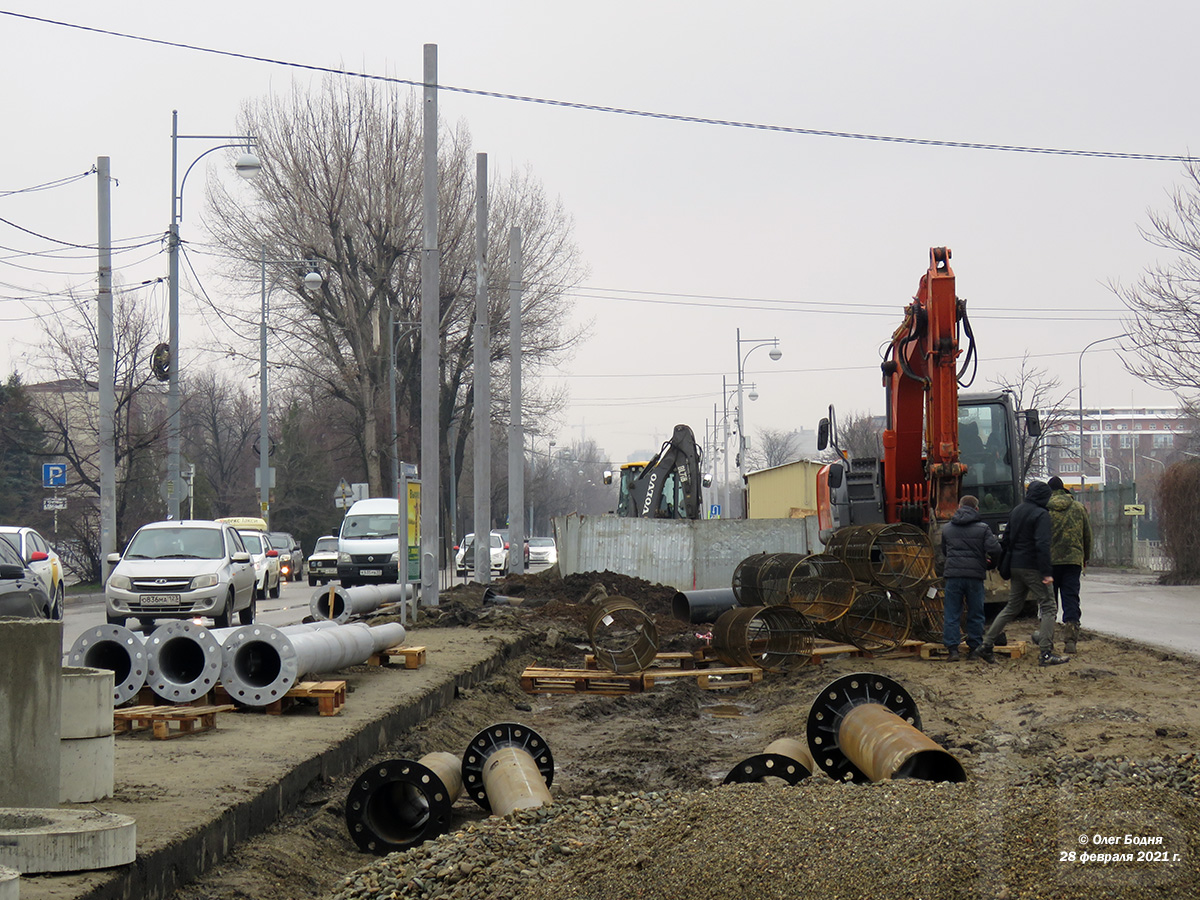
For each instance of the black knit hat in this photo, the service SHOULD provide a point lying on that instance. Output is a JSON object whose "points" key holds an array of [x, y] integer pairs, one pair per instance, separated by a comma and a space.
{"points": [[1056, 484]]}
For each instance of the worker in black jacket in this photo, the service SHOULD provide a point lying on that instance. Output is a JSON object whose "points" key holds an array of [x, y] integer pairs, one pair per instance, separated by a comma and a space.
{"points": [[967, 542], [1028, 539]]}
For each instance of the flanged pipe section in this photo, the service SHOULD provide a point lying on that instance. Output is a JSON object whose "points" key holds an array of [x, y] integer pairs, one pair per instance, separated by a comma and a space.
{"points": [[402, 802], [116, 648], [696, 607], [786, 758], [262, 663], [183, 661], [341, 604], [865, 727], [769, 637], [508, 767], [623, 635]]}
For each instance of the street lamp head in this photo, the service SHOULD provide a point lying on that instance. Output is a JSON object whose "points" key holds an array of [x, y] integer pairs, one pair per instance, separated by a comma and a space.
{"points": [[313, 280], [248, 165], [775, 353], [753, 395]]}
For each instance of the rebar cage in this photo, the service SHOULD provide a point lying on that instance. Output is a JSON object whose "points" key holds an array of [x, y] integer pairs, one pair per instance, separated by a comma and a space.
{"points": [[878, 620], [768, 637], [623, 635], [896, 556]]}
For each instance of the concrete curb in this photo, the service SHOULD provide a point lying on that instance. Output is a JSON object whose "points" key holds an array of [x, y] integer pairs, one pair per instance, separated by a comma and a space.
{"points": [[160, 873]]}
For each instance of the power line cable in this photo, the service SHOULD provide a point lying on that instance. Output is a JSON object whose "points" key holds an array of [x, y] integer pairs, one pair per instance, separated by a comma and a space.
{"points": [[617, 110], [58, 182]]}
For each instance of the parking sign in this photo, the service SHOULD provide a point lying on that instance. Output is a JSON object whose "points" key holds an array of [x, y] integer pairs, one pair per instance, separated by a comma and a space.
{"points": [[54, 475]]}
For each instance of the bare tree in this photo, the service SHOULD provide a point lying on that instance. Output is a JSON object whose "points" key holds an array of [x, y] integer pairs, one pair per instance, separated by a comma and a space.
{"points": [[1035, 388], [220, 425], [341, 184], [774, 447], [860, 436], [1164, 304]]}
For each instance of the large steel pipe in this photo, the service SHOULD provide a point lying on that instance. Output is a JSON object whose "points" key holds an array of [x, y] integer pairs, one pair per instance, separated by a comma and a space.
{"points": [[786, 758], [697, 607], [262, 663], [341, 604], [116, 648], [865, 727], [769, 637], [623, 635], [402, 802], [508, 767]]}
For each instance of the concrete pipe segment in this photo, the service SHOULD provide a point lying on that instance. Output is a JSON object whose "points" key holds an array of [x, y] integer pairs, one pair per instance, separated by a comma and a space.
{"points": [[116, 648], [508, 767], [262, 663], [33, 841], [87, 754], [698, 607], [402, 802], [30, 654], [341, 604], [786, 759], [865, 727]]}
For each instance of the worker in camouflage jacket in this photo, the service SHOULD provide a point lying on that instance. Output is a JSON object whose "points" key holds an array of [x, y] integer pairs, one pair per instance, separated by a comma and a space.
{"points": [[1070, 550]]}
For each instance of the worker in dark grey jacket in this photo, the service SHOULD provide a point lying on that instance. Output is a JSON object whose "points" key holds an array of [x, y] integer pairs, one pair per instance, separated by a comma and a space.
{"points": [[1028, 538], [967, 542]]}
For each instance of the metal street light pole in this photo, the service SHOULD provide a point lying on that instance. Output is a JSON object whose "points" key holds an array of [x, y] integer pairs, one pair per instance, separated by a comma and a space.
{"points": [[775, 354], [1115, 337], [247, 166]]}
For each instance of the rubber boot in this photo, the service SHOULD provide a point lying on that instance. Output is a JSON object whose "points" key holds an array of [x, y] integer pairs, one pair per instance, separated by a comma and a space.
{"points": [[1072, 637]]}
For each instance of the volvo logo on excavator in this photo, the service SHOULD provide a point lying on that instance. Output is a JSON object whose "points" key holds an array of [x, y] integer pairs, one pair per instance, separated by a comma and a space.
{"points": [[648, 502]]}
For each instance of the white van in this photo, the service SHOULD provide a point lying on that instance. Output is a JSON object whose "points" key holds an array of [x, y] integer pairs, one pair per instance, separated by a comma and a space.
{"points": [[369, 543]]}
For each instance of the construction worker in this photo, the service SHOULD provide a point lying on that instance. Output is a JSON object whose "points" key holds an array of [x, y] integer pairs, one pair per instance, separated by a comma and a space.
{"points": [[1070, 550], [967, 542]]}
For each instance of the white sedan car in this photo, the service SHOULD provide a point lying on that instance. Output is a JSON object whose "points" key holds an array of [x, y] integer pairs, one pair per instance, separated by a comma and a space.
{"points": [[41, 558]]}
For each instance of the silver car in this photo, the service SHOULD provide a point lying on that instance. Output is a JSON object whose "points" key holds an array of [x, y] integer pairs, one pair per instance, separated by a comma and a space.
{"points": [[179, 570]]}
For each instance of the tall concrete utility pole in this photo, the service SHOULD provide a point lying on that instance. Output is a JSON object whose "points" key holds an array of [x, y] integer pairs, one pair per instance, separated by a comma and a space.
{"points": [[516, 429], [430, 343], [108, 369], [483, 383]]}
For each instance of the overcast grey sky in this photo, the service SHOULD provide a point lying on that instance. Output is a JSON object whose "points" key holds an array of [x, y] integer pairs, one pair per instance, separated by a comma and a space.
{"points": [[689, 230]]}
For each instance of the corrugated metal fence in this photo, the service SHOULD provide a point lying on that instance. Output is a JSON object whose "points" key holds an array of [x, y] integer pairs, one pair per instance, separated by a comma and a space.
{"points": [[1114, 534], [687, 555]]}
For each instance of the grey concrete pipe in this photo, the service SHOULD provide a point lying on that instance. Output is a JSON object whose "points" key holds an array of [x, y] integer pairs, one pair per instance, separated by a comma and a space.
{"points": [[508, 767], [697, 607], [402, 802], [116, 648], [341, 604], [30, 711], [786, 758], [262, 663]]}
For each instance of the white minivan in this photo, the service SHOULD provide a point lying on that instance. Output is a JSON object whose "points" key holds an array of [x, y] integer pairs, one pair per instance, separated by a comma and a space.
{"points": [[369, 543]]}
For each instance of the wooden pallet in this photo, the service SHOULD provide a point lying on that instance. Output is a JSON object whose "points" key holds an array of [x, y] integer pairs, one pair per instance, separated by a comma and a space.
{"points": [[330, 697], [711, 679], [1014, 650], [187, 719], [684, 659], [826, 649], [537, 680], [414, 657]]}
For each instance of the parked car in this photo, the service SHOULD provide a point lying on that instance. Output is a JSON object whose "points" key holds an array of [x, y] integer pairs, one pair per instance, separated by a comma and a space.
{"points": [[181, 569], [369, 543], [21, 591], [291, 557], [464, 560], [322, 563], [541, 551], [39, 556], [266, 563]]}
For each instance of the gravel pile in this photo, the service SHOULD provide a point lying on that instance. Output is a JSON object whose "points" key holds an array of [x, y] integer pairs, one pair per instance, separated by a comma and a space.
{"points": [[819, 839], [1180, 773]]}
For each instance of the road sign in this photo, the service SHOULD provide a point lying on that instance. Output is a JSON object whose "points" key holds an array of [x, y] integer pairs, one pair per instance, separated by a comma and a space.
{"points": [[270, 477], [342, 490], [715, 511], [169, 488], [54, 503], [1135, 509], [54, 474]]}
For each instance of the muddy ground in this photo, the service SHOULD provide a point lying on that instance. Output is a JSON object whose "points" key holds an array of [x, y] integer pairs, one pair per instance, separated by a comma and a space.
{"points": [[1117, 712]]}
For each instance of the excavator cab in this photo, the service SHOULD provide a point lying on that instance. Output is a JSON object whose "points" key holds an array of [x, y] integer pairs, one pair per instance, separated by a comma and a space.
{"points": [[666, 487]]}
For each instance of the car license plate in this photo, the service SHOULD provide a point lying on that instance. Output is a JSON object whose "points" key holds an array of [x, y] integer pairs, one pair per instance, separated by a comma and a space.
{"points": [[370, 571], [159, 599]]}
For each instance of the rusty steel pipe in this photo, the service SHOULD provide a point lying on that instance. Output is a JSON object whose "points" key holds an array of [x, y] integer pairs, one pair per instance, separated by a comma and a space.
{"points": [[785, 758], [402, 802], [768, 637], [865, 727], [623, 635], [508, 767]]}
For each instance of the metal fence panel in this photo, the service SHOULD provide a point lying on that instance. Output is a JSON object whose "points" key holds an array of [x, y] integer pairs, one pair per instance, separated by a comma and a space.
{"points": [[1113, 532]]}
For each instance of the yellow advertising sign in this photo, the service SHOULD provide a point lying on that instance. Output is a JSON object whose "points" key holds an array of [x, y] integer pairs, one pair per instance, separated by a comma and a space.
{"points": [[414, 530]]}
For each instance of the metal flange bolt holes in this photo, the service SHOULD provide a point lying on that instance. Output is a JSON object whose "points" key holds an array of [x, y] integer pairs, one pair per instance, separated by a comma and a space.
{"points": [[508, 767], [786, 758], [401, 803], [865, 727], [183, 661], [343, 604], [116, 648]]}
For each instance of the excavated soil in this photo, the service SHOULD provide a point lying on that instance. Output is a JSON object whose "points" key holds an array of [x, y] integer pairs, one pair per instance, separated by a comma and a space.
{"points": [[1063, 746]]}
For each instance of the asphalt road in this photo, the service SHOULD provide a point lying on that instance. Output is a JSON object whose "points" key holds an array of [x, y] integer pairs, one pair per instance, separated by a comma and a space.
{"points": [[1131, 606]]}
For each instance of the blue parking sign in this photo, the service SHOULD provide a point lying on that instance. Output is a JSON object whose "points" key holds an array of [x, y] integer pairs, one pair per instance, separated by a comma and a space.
{"points": [[54, 475]]}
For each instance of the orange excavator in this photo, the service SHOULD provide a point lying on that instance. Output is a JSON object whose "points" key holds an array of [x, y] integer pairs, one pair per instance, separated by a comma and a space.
{"points": [[937, 443]]}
